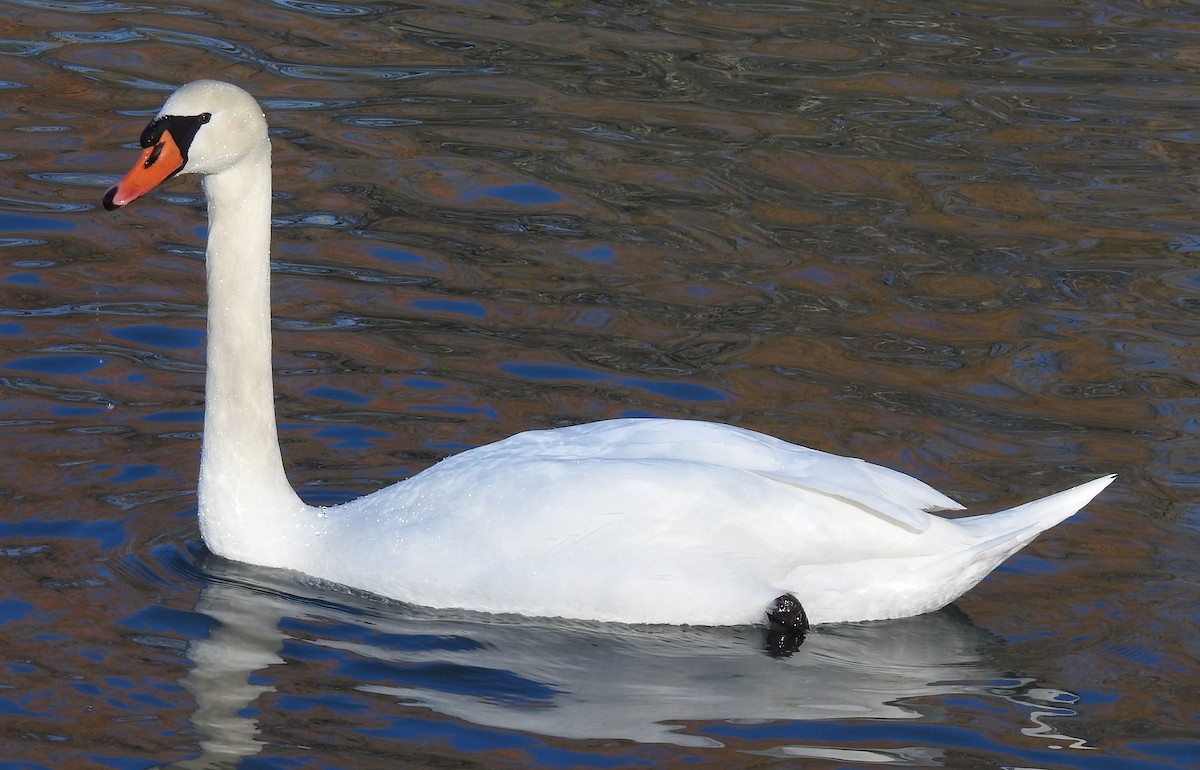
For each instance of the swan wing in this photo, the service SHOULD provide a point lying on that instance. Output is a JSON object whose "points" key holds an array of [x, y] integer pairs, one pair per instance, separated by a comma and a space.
{"points": [[691, 522], [886, 493]]}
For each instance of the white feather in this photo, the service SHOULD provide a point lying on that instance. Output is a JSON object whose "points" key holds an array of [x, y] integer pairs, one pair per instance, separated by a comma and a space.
{"points": [[637, 520]]}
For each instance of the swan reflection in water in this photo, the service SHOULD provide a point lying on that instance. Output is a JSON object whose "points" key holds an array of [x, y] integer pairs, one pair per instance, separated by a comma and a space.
{"points": [[579, 680]]}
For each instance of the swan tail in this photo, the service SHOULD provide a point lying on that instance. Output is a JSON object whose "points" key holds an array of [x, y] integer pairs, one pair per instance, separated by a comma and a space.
{"points": [[1023, 523], [877, 589], [1002, 534]]}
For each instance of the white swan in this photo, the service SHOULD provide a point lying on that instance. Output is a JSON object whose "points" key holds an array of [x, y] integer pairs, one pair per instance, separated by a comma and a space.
{"points": [[633, 520]]}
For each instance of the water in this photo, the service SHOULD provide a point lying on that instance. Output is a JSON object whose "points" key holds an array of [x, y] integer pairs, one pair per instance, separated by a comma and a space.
{"points": [[954, 239]]}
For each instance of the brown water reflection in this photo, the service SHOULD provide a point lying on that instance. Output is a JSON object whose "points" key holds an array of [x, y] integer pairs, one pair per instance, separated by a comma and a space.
{"points": [[954, 240]]}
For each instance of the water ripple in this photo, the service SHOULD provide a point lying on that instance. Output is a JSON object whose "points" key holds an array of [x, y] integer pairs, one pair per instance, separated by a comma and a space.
{"points": [[334, 10], [959, 244]]}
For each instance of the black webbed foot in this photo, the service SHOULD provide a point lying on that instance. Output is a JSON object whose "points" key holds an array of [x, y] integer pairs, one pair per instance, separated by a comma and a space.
{"points": [[787, 625], [788, 612]]}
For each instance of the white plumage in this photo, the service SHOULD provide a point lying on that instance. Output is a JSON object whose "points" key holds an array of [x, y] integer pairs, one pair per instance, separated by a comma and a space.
{"points": [[635, 520]]}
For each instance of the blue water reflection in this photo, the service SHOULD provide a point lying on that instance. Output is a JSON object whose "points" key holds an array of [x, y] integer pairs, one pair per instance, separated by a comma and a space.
{"points": [[957, 243]]}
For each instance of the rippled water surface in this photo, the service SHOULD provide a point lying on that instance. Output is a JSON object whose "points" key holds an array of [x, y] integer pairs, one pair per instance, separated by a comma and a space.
{"points": [[958, 239]]}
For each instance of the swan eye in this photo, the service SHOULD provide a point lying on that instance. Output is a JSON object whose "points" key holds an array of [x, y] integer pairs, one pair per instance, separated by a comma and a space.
{"points": [[183, 129]]}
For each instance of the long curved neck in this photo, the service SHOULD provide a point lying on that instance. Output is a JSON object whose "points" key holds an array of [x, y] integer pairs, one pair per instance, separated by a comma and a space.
{"points": [[244, 497]]}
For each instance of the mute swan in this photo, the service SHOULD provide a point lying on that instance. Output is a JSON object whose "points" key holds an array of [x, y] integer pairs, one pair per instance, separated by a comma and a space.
{"points": [[628, 520]]}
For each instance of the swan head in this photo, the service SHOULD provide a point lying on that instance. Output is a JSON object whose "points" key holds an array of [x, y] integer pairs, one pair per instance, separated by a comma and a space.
{"points": [[204, 127]]}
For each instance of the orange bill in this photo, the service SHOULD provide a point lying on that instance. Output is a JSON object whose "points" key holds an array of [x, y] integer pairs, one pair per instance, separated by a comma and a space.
{"points": [[156, 164]]}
